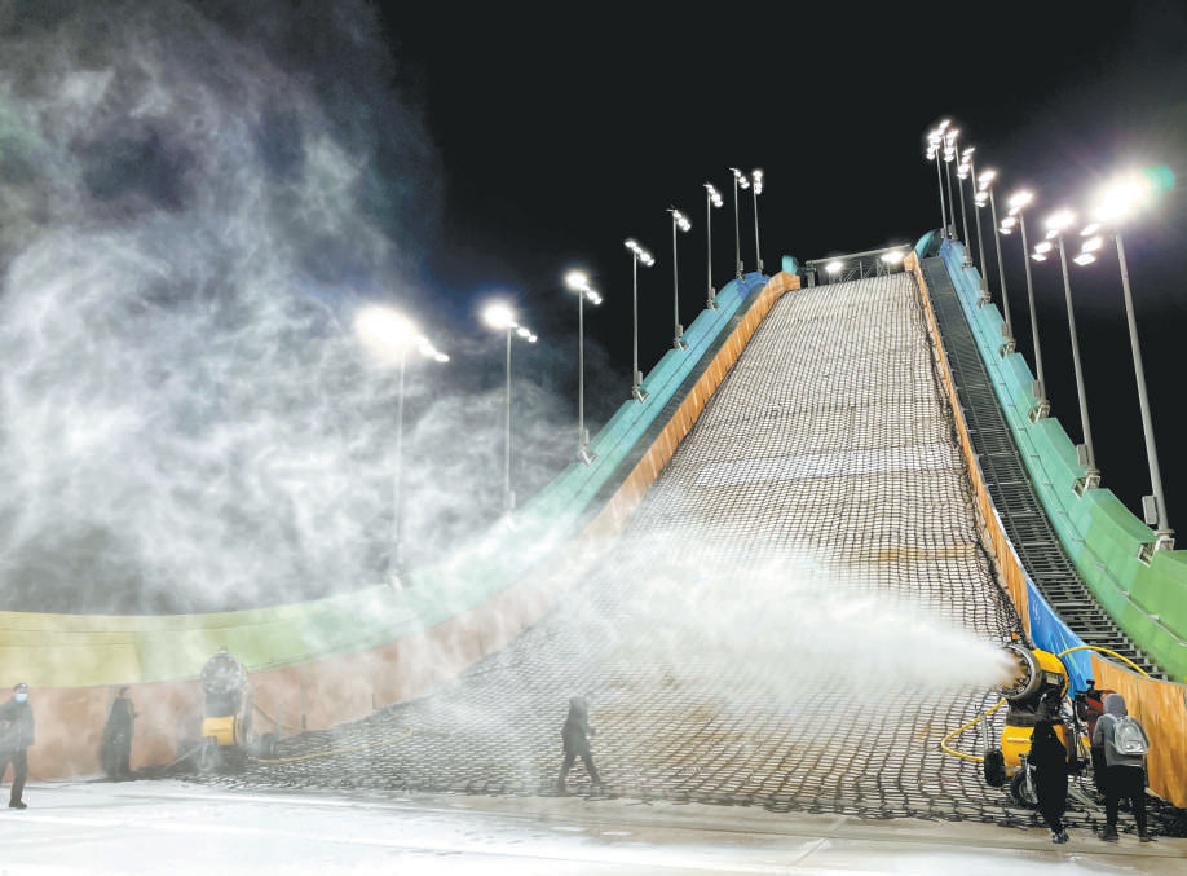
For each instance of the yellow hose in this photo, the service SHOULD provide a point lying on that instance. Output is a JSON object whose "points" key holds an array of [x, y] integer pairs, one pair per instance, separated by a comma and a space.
{"points": [[982, 715], [1120, 657], [962, 754]]}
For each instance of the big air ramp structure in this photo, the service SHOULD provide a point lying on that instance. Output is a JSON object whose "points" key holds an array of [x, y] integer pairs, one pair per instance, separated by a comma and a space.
{"points": [[831, 438], [806, 436]]}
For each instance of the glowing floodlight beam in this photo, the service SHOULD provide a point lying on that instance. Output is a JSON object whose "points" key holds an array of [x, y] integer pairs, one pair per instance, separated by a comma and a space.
{"points": [[1060, 221], [985, 180], [578, 281], [499, 315], [1038, 257], [680, 219], [1043, 247], [1090, 229], [714, 196], [981, 199], [641, 253], [834, 267], [756, 176], [893, 257], [1084, 258], [390, 335], [1020, 200], [740, 178], [526, 333], [1092, 244], [1122, 197]]}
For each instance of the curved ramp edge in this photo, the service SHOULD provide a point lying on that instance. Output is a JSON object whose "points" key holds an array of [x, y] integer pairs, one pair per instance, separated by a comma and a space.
{"points": [[319, 663]]}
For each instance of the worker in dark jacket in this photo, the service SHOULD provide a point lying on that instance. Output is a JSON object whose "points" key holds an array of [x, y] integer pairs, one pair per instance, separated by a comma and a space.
{"points": [[16, 736], [117, 737], [1125, 774], [575, 738], [1052, 761]]}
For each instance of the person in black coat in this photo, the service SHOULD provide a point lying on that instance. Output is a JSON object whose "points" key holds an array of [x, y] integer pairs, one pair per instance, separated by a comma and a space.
{"points": [[117, 737], [575, 738], [1052, 761], [16, 736]]}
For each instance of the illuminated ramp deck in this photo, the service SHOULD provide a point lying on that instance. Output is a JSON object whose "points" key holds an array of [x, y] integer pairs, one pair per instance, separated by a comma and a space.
{"points": [[828, 437]]}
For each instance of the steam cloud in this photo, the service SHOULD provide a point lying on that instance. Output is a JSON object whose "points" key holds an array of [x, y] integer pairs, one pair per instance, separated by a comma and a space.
{"points": [[187, 213]]}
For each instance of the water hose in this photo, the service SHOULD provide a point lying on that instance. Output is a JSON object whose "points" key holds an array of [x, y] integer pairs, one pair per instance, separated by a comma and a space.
{"points": [[963, 755], [1111, 653]]}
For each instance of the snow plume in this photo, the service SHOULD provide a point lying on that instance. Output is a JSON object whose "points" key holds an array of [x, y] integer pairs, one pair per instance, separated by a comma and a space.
{"points": [[194, 198]]}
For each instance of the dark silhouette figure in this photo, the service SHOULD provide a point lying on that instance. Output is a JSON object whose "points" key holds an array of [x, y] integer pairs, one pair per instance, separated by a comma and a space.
{"points": [[1124, 773], [575, 737], [1052, 761], [117, 737], [16, 737]]}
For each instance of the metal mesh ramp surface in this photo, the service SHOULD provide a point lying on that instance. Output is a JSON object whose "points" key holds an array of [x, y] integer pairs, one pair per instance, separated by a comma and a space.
{"points": [[830, 438]]}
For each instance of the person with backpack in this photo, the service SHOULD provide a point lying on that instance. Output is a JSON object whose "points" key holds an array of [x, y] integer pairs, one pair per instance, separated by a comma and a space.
{"points": [[575, 739], [1052, 761], [1125, 745]]}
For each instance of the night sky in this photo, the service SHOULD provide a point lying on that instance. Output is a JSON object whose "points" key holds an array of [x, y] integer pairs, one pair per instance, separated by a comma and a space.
{"points": [[559, 135]]}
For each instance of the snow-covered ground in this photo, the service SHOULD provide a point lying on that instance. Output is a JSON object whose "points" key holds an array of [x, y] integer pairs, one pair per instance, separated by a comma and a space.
{"points": [[175, 828]]}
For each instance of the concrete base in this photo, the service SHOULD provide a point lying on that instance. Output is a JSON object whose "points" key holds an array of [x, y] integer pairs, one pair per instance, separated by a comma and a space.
{"points": [[172, 827]]}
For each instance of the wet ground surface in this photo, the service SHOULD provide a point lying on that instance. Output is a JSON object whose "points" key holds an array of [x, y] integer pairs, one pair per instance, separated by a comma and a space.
{"points": [[178, 828], [782, 625]]}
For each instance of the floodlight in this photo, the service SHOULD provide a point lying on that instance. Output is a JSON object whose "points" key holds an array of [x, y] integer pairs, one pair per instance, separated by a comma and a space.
{"points": [[1122, 196], [499, 316]]}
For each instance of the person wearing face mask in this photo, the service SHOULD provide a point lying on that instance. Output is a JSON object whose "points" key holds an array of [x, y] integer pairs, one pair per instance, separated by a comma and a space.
{"points": [[16, 735]]}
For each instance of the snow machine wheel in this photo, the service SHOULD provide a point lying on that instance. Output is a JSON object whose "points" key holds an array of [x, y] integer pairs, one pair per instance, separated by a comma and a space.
{"points": [[995, 768], [210, 757], [1020, 793], [267, 746]]}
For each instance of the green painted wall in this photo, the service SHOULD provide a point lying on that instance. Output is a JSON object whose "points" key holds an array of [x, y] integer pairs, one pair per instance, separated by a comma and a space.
{"points": [[1100, 535]]}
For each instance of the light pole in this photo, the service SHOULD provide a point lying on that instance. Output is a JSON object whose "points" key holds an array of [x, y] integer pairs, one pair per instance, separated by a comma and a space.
{"points": [[1018, 202], [712, 199], [1116, 202], [499, 316], [679, 222], [390, 336], [934, 139], [962, 172], [757, 180], [740, 179], [986, 182], [638, 254], [578, 281], [949, 156], [1057, 223], [980, 199]]}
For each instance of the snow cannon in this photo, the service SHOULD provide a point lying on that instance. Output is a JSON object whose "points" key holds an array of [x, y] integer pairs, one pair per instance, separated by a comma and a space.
{"points": [[226, 723], [1034, 693]]}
